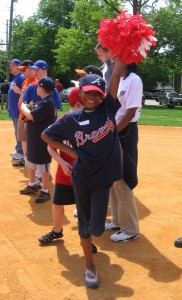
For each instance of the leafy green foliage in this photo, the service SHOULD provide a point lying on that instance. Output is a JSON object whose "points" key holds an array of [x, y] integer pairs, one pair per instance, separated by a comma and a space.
{"points": [[64, 34], [56, 12], [76, 45]]}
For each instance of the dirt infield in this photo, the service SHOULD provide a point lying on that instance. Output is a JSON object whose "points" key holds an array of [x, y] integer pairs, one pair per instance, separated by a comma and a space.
{"points": [[145, 269]]}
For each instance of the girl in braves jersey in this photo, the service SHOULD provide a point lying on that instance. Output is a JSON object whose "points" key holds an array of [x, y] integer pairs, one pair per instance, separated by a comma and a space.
{"points": [[63, 192], [93, 134]]}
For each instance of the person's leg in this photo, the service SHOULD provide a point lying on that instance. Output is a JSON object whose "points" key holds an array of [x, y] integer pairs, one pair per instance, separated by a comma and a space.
{"points": [[32, 186], [113, 200], [2, 101], [44, 194], [24, 147], [58, 215], [7, 102], [45, 180], [31, 176], [99, 206], [87, 250], [18, 146], [127, 210], [83, 204]]}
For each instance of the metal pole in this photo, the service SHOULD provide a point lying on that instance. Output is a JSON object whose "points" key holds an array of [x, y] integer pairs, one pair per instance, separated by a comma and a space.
{"points": [[10, 37], [7, 43]]}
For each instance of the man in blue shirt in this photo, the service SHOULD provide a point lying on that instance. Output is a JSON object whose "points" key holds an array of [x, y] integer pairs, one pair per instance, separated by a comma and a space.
{"points": [[13, 103], [41, 70]]}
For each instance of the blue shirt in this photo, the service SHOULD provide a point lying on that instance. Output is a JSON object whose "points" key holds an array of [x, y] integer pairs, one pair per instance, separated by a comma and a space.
{"points": [[13, 97], [31, 95], [94, 137]]}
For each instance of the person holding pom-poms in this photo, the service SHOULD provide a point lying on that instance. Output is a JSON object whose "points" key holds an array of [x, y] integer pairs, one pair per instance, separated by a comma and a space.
{"points": [[129, 38]]}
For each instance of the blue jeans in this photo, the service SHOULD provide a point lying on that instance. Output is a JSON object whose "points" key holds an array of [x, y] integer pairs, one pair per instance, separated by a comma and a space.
{"points": [[92, 204], [18, 146]]}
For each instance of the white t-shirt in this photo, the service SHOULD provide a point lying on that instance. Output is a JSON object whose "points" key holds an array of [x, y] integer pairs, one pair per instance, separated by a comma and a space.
{"points": [[130, 93]]}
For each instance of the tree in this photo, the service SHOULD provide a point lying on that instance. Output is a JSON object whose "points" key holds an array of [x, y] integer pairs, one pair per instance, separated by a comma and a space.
{"points": [[166, 58], [35, 38], [56, 12], [76, 46], [3, 59]]}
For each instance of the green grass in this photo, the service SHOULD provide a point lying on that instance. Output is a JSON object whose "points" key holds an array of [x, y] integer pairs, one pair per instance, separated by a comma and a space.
{"points": [[161, 116], [150, 115]]}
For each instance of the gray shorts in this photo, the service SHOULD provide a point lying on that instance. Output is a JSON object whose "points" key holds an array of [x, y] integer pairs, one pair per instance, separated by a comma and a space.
{"points": [[39, 168]]}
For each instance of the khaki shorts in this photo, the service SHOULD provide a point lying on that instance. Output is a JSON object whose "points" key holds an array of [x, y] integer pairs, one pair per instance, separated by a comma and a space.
{"points": [[21, 131]]}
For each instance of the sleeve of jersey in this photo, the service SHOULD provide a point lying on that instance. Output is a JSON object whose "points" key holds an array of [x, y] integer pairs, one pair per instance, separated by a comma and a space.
{"points": [[112, 104], [20, 81], [134, 94], [41, 111], [57, 131], [56, 98], [27, 95]]}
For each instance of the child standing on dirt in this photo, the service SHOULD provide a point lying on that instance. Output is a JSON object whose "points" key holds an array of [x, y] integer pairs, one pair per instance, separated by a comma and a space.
{"points": [[38, 157], [63, 192], [92, 133]]}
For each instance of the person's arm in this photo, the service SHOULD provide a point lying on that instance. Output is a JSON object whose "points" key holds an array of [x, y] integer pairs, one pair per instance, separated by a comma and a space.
{"points": [[17, 90], [66, 167], [26, 112], [126, 119], [59, 145], [115, 78]]}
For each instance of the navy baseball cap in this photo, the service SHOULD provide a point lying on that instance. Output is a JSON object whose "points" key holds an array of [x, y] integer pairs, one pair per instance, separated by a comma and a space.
{"points": [[40, 64], [25, 65], [47, 83], [15, 61], [92, 82]]}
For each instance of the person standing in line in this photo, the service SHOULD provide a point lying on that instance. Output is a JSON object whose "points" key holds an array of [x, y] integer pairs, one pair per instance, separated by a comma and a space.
{"points": [[29, 74], [63, 192], [93, 134], [106, 68], [41, 70], [4, 91], [13, 98], [122, 199], [38, 158]]}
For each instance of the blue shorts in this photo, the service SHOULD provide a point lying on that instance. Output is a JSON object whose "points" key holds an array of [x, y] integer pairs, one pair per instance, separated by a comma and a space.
{"points": [[92, 204]]}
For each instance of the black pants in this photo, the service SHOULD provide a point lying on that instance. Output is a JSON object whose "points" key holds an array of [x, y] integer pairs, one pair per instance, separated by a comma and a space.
{"points": [[129, 140]]}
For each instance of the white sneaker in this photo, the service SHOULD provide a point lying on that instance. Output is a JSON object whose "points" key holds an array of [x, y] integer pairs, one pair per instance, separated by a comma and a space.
{"points": [[122, 237], [12, 153], [110, 225], [75, 213], [17, 156]]}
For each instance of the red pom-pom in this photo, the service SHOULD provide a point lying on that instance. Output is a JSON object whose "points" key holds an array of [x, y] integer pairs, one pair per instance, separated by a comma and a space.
{"points": [[127, 37]]}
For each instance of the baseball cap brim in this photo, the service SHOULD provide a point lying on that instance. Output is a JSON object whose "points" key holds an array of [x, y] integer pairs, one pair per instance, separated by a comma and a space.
{"points": [[88, 88], [80, 72], [22, 68], [35, 67]]}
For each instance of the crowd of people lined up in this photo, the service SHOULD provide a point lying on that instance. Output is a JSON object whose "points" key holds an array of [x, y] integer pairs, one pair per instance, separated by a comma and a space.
{"points": [[94, 145]]}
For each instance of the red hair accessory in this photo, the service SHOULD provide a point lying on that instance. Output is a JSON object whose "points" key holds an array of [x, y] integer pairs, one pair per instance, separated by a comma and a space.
{"points": [[127, 37]]}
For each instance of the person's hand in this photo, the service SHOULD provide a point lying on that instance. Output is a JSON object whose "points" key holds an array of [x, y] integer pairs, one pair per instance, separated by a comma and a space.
{"points": [[16, 89], [66, 167]]}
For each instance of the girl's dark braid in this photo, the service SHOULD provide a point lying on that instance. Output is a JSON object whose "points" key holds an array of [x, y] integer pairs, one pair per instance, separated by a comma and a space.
{"points": [[130, 68]]}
